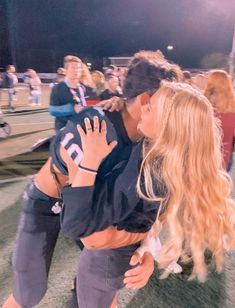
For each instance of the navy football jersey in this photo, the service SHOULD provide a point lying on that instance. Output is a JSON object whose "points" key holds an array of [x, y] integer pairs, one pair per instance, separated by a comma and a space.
{"points": [[70, 139]]}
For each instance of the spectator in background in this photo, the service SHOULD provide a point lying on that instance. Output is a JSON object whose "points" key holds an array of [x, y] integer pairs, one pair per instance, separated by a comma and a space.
{"points": [[178, 72], [68, 97], [199, 82], [10, 82], [220, 92], [122, 75], [35, 87], [26, 78], [61, 72], [111, 70], [87, 81], [112, 88], [187, 77], [59, 78], [98, 81]]}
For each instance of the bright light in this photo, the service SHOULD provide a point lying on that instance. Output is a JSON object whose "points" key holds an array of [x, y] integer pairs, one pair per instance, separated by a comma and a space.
{"points": [[170, 47]]}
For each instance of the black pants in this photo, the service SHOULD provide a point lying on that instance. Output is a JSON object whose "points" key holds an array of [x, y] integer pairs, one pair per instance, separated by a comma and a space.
{"points": [[36, 238]]}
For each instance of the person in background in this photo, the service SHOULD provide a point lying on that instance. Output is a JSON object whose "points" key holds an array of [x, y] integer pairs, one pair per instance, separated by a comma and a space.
{"points": [[60, 77], [187, 78], [122, 75], [87, 81], [35, 87], [112, 88], [10, 82], [26, 78], [68, 96], [199, 82], [111, 70], [98, 81], [220, 92]]}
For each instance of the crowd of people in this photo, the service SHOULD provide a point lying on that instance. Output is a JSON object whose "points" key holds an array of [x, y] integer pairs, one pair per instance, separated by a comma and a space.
{"points": [[150, 158]]}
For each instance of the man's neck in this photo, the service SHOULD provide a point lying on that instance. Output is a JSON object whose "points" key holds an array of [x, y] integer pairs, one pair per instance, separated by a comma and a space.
{"points": [[72, 82], [131, 116]]}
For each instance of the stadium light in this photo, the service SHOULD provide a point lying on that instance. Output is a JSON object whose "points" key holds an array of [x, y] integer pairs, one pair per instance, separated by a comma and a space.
{"points": [[170, 48]]}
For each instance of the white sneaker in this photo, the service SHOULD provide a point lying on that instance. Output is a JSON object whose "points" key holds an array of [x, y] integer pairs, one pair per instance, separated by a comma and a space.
{"points": [[174, 268]]}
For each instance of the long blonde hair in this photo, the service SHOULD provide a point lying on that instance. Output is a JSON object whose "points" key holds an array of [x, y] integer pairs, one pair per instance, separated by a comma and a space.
{"points": [[220, 92], [186, 157]]}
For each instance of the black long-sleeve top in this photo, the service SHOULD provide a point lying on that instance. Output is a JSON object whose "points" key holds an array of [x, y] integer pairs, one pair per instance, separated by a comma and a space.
{"points": [[113, 200]]}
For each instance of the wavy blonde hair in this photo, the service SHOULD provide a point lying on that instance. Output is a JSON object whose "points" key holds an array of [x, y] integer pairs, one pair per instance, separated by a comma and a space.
{"points": [[198, 212], [220, 92]]}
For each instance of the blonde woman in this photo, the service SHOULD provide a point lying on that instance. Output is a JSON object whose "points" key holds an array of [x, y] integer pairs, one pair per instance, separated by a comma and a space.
{"points": [[220, 92], [181, 173]]}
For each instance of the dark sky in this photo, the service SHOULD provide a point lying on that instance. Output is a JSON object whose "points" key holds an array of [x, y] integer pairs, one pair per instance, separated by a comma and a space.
{"points": [[41, 32]]}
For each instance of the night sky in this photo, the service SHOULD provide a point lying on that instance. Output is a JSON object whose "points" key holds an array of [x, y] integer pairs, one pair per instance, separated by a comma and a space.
{"points": [[40, 32]]}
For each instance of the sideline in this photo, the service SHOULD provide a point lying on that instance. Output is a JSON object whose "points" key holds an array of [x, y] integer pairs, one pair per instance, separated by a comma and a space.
{"points": [[16, 179]]}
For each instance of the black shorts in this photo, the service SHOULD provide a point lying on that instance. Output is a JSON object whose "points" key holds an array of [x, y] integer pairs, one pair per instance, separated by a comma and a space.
{"points": [[100, 275]]}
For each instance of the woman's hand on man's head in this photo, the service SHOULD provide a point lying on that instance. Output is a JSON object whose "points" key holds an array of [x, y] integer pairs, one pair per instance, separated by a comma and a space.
{"points": [[94, 142]]}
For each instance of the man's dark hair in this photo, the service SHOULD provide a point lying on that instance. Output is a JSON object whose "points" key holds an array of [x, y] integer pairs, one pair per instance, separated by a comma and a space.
{"points": [[144, 75]]}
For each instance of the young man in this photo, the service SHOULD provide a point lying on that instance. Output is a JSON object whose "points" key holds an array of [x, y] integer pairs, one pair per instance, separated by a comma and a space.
{"points": [[39, 210], [67, 97]]}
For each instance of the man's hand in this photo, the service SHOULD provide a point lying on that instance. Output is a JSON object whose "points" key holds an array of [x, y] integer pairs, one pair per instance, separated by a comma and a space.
{"points": [[138, 277]]}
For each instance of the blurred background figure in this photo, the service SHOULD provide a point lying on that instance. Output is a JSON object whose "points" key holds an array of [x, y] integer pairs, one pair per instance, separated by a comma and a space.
{"points": [[187, 77], [178, 72], [121, 75], [199, 81], [111, 70], [59, 78], [220, 92], [5, 128], [35, 87], [90, 88], [98, 81], [10, 81], [60, 74], [112, 88], [26, 78]]}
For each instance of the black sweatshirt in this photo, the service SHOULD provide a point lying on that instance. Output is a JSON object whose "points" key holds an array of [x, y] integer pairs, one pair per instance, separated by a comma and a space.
{"points": [[113, 200]]}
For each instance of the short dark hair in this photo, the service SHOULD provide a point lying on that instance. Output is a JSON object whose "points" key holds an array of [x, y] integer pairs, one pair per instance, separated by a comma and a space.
{"points": [[144, 75]]}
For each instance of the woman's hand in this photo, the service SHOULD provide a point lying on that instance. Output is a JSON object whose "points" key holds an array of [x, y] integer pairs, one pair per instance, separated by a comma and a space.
{"points": [[94, 143], [115, 103], [139, 276]]}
